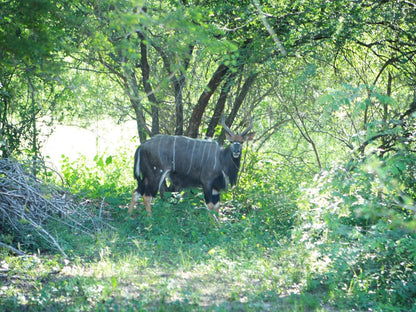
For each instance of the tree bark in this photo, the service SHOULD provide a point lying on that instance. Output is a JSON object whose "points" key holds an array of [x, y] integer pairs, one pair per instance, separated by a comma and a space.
{"points": [[142, 129], [132, 90], [237, 103], [177, 81], [148, 87], [219, 107], [129, 82], [178, 84], [200, 107]]}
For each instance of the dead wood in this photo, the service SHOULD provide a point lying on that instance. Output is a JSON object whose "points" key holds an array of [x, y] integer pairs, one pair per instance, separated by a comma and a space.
{"points": [[30, 207]]}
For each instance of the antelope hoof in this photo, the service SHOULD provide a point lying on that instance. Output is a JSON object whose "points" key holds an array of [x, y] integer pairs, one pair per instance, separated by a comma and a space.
{"points": [[212, 207]]}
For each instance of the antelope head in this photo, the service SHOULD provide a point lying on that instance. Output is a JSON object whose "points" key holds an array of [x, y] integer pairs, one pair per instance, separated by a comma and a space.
{"points": [[237, 140]]}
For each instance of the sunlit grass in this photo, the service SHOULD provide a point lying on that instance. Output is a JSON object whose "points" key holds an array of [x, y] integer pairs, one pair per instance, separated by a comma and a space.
{"points": [[270, 253], [178, 260]]}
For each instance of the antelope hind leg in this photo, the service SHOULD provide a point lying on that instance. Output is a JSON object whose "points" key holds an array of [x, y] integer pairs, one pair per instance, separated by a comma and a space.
{"points": [[134, 199]]}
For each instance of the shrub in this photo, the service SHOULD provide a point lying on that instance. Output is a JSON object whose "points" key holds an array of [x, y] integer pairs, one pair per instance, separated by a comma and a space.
{"points": [[363, 220], [109, 177]]}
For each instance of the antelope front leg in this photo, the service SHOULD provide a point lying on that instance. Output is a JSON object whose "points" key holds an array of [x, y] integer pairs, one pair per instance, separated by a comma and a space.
{"points": [[214, 209], [148, 204]]}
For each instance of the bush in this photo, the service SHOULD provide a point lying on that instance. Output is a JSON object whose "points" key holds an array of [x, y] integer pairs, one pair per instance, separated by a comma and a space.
{"points": [[363, 220], [265, 191], [109, 177]]}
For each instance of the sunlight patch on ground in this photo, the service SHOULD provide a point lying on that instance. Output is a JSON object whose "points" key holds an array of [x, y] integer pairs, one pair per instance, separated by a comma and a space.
{"points": [[214, 283]]}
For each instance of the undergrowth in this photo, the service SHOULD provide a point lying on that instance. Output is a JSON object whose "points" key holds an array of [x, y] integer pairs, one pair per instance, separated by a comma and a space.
{"points": [[340, 243], [362, 219], [177, 260]]}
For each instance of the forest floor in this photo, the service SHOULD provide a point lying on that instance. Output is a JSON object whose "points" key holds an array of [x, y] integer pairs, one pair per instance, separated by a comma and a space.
{"points": [[178, 260]]}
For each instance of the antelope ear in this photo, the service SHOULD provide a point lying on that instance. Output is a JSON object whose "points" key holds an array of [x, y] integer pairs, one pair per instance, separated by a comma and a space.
{"points": [[249, 136]]}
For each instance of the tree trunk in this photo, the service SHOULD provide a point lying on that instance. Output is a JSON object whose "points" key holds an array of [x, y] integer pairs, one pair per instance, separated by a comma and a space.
{"points": [[219, 107], [148, 88], [178, 86], [200, 107], [237, 103], [142, 129], [129, 82], [132, 90], [178, 81], [303, 129]]}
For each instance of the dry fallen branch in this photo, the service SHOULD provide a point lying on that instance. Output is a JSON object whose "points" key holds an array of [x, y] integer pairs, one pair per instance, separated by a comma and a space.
{"points": [[11, 248], [30, 205]]}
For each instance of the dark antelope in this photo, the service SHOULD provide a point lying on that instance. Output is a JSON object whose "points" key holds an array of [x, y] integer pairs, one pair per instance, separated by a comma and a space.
{"points": [[188, 163]]}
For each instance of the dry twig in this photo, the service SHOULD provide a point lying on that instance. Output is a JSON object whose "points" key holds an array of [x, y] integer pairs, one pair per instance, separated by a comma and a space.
{"points": [[28, 204]]}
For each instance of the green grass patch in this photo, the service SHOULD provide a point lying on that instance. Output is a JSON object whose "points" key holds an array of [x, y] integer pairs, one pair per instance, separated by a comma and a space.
{"points": [[310, 251], [179, 260]]}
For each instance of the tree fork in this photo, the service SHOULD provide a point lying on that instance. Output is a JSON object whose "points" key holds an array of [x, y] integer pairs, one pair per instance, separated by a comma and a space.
{"points": [[219, 107], [238, 102], [200, 107]]}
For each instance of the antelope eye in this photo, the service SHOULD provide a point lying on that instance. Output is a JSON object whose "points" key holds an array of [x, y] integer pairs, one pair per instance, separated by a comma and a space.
{"points": [[236, 145]]}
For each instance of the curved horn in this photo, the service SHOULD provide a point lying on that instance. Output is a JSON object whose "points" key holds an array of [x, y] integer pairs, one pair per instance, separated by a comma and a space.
{"points": [[248, 128], [225, 127]]}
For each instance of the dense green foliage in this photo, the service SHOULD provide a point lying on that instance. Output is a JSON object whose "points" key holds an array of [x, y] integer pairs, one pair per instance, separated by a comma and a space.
{"points": [[323, 216], [362, 220]]}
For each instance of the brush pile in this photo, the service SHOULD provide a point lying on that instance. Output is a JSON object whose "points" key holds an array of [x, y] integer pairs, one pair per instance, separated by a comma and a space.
{"points": [[35, 212]]}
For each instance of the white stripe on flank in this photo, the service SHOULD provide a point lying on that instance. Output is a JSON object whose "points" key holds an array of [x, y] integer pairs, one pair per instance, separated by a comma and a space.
{"points": [[158, 147], [225, 178], [174, 153], [215, 156], [163, 178], [203, 155], [192, 159]]}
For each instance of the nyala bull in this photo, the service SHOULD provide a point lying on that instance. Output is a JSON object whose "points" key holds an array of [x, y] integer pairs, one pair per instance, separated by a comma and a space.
{"points": [[188, 163]]}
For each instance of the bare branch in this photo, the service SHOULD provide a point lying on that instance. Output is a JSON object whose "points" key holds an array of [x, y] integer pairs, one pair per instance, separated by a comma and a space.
{"points": [[28, 205]]}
